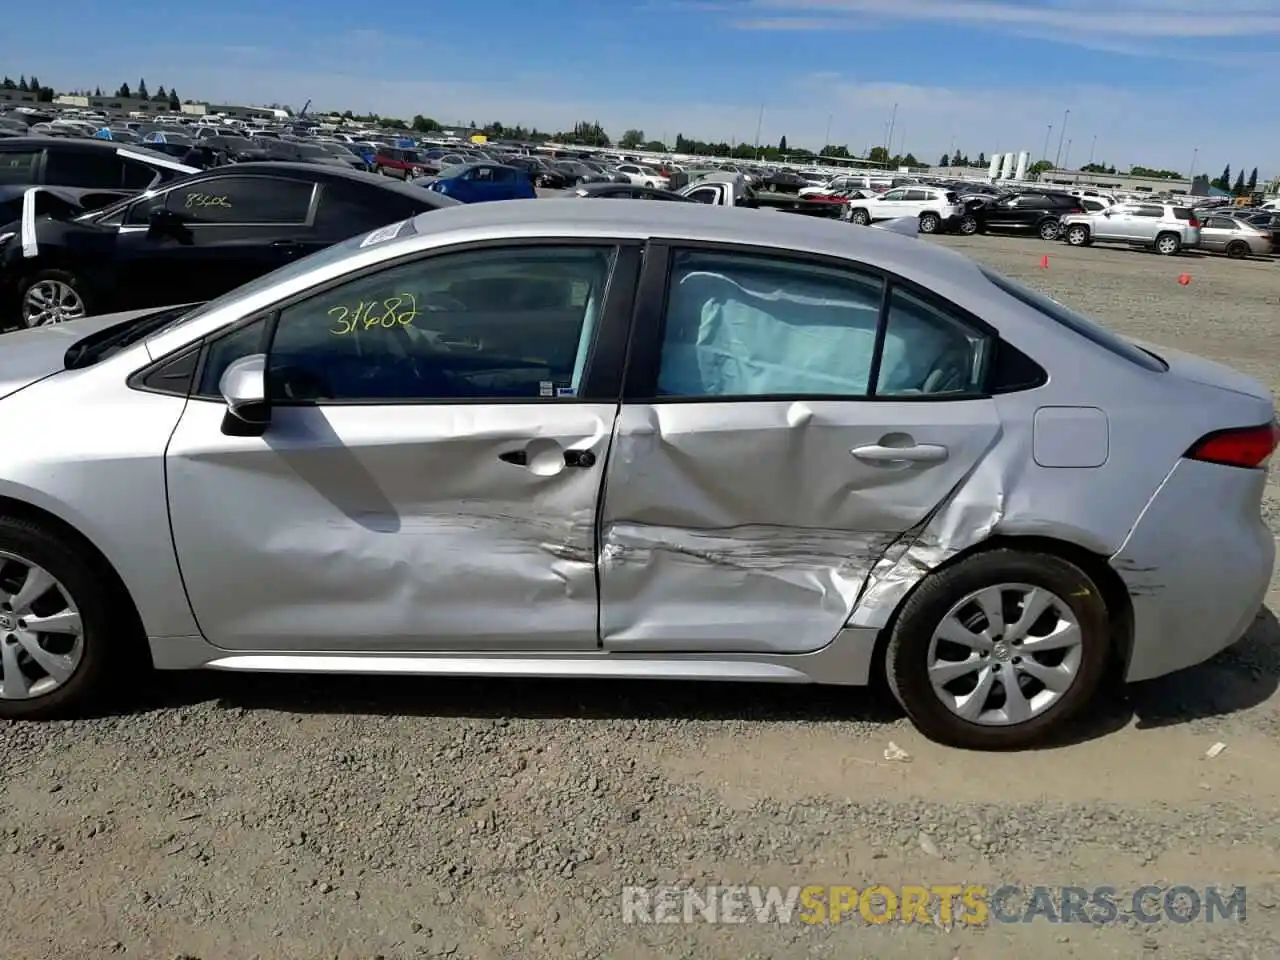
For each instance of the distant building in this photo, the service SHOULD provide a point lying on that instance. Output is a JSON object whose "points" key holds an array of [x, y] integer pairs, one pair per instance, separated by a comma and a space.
{"points": [[246, 113], [111, 104], [18, 96]]}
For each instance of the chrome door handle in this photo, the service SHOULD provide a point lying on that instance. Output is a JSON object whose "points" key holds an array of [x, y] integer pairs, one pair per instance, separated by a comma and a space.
{"points": [[920, 453]]}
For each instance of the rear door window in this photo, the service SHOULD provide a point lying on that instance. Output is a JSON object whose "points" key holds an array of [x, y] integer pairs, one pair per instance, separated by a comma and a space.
{"points": [[1184, 213], [100, 169], [1148, 211], [18, 166]]}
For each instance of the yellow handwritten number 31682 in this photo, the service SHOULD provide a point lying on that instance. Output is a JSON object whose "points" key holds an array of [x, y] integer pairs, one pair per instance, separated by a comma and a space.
{"points": [[397, 311]]}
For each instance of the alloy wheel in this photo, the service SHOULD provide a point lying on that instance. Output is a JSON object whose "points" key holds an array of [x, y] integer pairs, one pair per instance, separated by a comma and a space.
{"points": [[41, 635], [1167, 245], [51, 301], [1005, 654]]}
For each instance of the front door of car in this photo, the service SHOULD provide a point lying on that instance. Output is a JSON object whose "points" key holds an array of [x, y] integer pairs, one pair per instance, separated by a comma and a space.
{"points": [[430, 475], [213, 235], [1115, 223], [752, 483], [890, 205]]}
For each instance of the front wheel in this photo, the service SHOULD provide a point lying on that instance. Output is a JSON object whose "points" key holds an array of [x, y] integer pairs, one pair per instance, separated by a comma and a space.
{"points": [[860, 217], [968, 225], [1050, 229], [1078, 236], [1168, 244], [1000, 650], [53, 296], [1237, 250], [57, 620], [929, 223]]}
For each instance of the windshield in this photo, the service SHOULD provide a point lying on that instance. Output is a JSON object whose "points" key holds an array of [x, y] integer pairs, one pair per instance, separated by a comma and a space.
{"points": [[307, 150]]}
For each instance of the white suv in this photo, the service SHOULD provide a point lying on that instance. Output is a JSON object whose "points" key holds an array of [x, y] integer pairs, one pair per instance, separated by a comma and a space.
{"points": [[937, 208], [1163, 226]]}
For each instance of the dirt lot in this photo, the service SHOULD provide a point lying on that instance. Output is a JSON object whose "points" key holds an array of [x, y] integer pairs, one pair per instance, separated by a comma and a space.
{"points": [[234, 817]]}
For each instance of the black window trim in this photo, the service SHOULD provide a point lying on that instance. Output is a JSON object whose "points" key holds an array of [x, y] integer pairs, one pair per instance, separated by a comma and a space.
{"points": [[649, 326], [606, 353], [313, 203]]}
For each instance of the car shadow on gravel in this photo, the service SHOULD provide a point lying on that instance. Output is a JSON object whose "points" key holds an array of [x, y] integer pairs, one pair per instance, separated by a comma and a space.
{"points": [[1239, 678]]}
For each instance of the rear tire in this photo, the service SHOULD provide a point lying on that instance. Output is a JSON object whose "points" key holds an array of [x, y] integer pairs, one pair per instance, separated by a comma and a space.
{"points": [[1049, 229], [1078, 236], [860, 217], [929, 678], [1237, 250], [77, 586], [929, 223], [1168, 244], [968, 225]]}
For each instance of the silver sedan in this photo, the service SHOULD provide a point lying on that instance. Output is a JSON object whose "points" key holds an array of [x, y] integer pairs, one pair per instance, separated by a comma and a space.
{"points": [[1235, 237], [548, 438]]}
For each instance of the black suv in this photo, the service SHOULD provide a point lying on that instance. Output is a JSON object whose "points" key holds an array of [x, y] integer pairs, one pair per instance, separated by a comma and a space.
{"points": [[1032, 211]]}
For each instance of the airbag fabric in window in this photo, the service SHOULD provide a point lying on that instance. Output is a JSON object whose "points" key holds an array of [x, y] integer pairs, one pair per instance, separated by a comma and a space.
{"points": [[753, 327]]}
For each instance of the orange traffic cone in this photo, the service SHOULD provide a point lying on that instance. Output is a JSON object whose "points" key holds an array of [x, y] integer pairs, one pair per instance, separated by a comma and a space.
{"points": [[1184, 278], [1044, 262]]}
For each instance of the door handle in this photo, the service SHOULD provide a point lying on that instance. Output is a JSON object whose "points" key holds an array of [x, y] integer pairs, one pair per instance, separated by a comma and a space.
{"points": [[284, 243], [584, 459], [920, 453]]}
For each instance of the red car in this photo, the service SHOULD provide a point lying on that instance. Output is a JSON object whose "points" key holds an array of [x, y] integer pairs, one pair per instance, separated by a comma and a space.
{"points": [[399, 162]]}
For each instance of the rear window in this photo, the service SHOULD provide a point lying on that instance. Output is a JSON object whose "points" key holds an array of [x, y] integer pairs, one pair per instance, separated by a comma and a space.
{"points": [[952, 197], [1078, 323], [1184, 213]]}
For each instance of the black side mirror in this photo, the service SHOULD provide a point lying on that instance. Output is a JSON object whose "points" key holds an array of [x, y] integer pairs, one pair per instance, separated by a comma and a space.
{"points": [[163, 222]]}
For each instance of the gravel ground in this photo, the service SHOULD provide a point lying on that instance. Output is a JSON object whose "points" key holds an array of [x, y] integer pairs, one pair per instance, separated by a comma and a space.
{"points": [[235, 817]]}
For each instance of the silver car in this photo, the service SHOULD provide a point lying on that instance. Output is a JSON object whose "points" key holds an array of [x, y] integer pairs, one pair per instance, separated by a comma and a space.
{"points": [[541, 438], [1234, 237], [1166, 228]]}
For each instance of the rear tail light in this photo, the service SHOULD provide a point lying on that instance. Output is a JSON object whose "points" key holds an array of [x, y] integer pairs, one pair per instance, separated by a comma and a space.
{"points": [[1237, 447], [1193, 222]]}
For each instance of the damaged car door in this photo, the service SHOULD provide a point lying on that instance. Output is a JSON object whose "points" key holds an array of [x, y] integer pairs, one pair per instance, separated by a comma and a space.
{"points": [[430, 473], [785, 421]]}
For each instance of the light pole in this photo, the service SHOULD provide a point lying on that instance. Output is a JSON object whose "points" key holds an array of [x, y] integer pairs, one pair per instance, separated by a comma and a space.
{"points": [[1192, 175], [1061, 133], [1092, 147], [1044, 154], [888, 140], [1066, 157], [826, 138], [759, 127]]}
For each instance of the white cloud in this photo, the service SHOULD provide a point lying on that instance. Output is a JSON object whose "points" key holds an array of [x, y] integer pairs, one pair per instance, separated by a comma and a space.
{"points": [[1143, 19]]}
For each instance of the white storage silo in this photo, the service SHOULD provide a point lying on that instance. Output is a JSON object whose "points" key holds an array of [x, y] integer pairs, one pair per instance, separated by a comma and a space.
{"points": [[1006, 167], [995, 166], [1021, 172]]}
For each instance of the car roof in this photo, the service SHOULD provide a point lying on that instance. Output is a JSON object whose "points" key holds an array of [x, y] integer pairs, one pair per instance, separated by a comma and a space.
{"points": [[41, 143], [688, 221], [315, 171]]}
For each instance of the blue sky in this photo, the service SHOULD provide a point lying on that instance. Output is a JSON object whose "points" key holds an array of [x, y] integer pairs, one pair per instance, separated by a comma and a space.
{"points": [[1154, 81]]}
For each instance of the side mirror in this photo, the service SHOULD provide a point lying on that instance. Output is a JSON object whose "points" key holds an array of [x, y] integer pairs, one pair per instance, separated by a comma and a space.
{"points": [[1106, 213], [161, 222], [244, 389]]}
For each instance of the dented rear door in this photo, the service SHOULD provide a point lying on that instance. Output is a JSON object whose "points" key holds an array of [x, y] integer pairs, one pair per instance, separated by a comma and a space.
{"points": [[746, 499]]}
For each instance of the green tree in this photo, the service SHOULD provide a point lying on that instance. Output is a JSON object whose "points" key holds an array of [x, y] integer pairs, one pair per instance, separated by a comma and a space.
{"points": [[1224, 181], [782, 145], [1253, 180], [142, 90], [632, 139], [1239, 188], [392, 123], [22, 83], [124, 91], [423, 124], [655, 146], [982, 159], [174, 102], [878, 155], [8, 84], [1039, 167], [945, 161], [161, 96], [97, 91]]}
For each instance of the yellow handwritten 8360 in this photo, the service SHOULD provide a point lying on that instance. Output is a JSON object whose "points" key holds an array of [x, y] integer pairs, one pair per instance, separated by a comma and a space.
{"points": [[397, 311]]}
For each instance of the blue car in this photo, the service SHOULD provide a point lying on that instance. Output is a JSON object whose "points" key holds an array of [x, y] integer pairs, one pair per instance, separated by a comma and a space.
{"points": [[478, 182]]}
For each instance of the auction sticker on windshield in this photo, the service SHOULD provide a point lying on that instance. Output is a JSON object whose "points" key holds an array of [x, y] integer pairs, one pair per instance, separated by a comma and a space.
{"points": [[389, 232]]}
